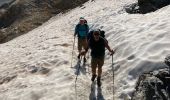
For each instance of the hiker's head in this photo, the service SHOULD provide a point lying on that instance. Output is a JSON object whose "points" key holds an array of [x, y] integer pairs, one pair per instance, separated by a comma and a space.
{"points": [[82, 20], [96, 35]]}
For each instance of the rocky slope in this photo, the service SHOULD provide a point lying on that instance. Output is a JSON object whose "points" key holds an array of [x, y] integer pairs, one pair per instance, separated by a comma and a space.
{"points": [[20, 16], [146, 6], [154, 85]]}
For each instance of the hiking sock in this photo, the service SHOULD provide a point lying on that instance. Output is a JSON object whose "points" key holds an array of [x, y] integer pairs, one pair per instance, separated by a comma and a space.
{"points": [[93, 78], [98, 81]]}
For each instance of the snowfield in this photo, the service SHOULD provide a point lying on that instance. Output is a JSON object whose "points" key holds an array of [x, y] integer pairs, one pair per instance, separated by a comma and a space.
{"points": [[37, 65]]}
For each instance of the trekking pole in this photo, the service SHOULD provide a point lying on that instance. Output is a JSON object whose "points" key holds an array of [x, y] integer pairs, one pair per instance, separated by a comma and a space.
{"points": [[78, 69], [113, 76], [88, 58], [72, 53], [77, 76]]}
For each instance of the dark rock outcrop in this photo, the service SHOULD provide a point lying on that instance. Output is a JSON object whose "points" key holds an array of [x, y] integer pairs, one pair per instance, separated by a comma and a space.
{"points": [[154, 85], [37, 69], [146, 6], [6, 79], [21, 16]]}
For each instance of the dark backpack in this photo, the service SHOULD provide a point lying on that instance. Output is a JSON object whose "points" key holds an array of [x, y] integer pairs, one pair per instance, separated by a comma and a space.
{"points": [[85, 21], [102, 33], [90, 34]]}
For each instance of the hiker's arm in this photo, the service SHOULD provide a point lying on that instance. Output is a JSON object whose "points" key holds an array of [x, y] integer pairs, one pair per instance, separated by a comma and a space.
{"points": [[76, 30], [108, 47]]}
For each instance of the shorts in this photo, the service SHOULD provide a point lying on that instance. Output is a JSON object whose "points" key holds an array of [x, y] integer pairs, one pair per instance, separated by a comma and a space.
{"points": [[82, 43], [97, 62]]}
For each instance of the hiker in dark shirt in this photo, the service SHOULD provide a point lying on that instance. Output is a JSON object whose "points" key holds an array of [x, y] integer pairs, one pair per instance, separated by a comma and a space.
{"points": [[97, 44]]}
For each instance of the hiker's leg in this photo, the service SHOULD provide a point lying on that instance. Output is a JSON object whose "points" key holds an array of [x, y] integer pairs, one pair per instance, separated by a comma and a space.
{"points": [[79, 47], [93, 66], [84, 42], [100, 63]]}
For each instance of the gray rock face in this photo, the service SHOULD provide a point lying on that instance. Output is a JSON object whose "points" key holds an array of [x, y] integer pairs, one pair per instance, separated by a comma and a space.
{"points": [[146, 6], [21, 16], [153, 86], [8, 16], [4, 2], [156, 3]]}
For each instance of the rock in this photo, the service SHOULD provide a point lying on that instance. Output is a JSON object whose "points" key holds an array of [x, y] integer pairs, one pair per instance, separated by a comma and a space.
{"points": [[21, 16], [155, 3], [2, 35], [167, 60], [9, 16], [6, 79], [153, 85], [146, 6], [37, 69]]}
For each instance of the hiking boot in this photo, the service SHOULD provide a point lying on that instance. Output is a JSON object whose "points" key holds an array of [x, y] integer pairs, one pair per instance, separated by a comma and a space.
{"points": [[85, 59], [78, 56], [93, 78], [98, 82]]}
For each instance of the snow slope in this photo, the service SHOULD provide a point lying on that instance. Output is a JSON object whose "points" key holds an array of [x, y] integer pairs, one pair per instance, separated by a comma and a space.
{"points": [[36, 66]]}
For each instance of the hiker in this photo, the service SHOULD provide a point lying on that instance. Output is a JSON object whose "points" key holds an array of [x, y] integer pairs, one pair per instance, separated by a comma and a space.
{"points": [[81, 31], [97, 45]]}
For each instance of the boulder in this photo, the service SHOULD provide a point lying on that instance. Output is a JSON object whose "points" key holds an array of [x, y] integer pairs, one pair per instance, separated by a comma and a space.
{"points": [[154, 85], [146, 6]]}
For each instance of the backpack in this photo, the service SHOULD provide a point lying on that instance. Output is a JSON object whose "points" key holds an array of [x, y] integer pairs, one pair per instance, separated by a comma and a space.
{"points": [[85, 21], [90, 34]]}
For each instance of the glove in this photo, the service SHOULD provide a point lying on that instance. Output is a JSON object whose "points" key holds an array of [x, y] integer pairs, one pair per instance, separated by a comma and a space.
{"points": [[112, 52]]}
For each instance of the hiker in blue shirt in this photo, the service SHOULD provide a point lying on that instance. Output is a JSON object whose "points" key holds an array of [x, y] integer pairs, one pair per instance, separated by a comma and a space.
{"points": [[81, 31]]}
